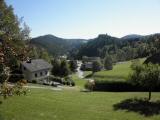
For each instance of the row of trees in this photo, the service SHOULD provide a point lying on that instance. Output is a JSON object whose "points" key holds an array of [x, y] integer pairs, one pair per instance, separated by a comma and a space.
{"points": [[106, 63], [120, 49], [62, 68]]}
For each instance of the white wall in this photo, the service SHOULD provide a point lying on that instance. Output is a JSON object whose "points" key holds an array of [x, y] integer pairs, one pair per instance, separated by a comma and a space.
{"points": [[31, 75]]}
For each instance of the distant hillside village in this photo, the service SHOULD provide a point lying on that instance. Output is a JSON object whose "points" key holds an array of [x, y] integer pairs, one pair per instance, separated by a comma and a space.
{"points": [[42, 72]]}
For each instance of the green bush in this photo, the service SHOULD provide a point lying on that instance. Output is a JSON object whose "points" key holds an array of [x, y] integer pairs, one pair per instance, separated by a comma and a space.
{"points": [[68, 82], [34, 81], [89, 86], [72, 83], [116, 86], [56, 79], [15, 78], [147, 76], [108, 63], [96, 66]]}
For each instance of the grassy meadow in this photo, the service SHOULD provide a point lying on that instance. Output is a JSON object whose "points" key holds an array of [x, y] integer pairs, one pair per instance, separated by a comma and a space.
{"points": [[119, 72], [72, 104]]}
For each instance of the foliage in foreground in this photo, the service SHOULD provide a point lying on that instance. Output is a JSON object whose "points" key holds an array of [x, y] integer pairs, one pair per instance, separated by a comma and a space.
{"points": [[12, 48], [46, 104], [17, 89]]}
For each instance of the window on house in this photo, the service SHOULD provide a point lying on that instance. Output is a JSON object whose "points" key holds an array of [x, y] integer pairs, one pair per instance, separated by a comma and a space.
{"points": [[41, 73], [35, 74], [24, 68]]}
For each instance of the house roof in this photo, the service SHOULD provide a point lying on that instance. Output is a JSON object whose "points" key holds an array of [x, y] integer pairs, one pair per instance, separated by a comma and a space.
{"points": [[36, 65]]}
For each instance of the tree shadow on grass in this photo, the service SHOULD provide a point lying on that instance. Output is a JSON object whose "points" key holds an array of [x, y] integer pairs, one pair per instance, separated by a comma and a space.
{"points": [[141, 106], [1, 117]]}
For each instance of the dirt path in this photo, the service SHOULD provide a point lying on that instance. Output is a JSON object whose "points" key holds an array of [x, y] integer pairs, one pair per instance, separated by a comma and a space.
{"points": [[45, 87]]}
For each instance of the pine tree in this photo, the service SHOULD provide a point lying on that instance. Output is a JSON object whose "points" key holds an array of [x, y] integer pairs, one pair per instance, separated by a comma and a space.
{"points": [[108, 62]]}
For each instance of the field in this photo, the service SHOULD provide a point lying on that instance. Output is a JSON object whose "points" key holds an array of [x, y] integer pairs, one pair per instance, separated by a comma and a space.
{"points": [[73, 104], [120, 72]]}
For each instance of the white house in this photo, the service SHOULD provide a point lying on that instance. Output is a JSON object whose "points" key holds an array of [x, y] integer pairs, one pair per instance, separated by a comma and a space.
{"points": [[37, 69]]}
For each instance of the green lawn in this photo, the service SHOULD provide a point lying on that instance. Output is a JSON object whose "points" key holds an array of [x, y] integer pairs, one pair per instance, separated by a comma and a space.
{"points": [[79, 81], [71, 105], [120, 72]]}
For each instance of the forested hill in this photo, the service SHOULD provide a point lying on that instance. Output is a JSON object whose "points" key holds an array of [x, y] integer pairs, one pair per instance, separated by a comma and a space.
{"points": [[57, 46], [120, 49], [131, 37], [95, 46]]}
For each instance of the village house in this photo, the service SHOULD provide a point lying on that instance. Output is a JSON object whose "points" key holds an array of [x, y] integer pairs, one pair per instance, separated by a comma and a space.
{"points": [[88, 62], [36, 70]]}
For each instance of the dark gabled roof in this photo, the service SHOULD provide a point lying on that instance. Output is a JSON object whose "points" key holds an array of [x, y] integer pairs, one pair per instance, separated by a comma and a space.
{"points": [[36, 65]]}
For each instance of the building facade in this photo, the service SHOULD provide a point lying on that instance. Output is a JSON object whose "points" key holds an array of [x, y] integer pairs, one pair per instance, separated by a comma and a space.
{"points": [[37, 70]]}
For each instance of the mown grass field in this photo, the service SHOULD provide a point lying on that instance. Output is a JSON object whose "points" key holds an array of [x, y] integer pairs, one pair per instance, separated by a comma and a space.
{"points": [[120, 72], [72, 104]]}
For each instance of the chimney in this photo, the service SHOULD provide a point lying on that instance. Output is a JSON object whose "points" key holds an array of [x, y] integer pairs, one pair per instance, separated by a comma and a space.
{"points": [[29, 60]]}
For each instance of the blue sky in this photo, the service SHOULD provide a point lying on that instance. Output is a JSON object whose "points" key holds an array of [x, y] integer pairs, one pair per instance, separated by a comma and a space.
{"points": [[88, 18]]}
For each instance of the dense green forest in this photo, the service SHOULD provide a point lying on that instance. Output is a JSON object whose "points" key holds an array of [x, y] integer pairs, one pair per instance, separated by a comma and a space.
{"points": [[57, 46], [121, 49]]}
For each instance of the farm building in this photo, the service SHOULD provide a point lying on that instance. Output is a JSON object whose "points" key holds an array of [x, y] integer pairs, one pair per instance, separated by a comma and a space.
{"points": [[88, 61], [37, 70]]}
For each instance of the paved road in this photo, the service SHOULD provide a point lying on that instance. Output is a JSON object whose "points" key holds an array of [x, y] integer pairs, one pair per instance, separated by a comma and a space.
{"points": [[80, 73]]}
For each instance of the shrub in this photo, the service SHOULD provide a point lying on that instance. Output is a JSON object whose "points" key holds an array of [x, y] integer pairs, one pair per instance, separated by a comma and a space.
{"points": [[56, 79], [67, 82], [23, 81], [116, 86], [147, 76], [64, 82], [96, 66], [72, 83], [34, 81], [90, 85], [15, 78], [3, 77], [108, 63]]}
